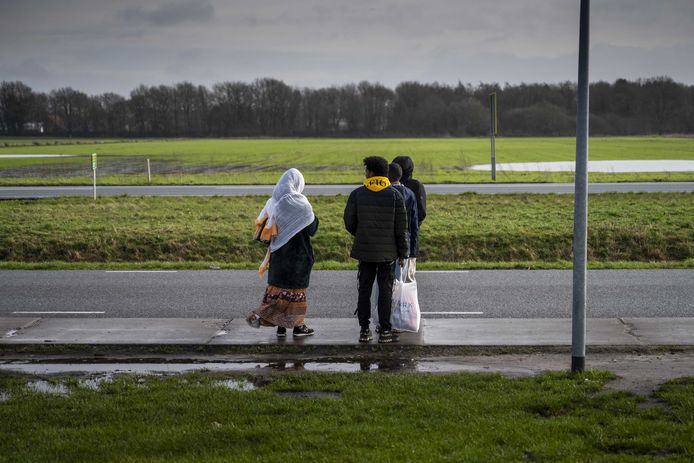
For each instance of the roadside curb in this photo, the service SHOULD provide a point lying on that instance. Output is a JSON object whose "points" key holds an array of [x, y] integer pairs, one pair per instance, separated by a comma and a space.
{"points": [[513, 334]]}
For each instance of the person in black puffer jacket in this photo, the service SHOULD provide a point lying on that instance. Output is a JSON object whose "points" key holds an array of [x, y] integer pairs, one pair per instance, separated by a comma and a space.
{"points": [[375, 215]]}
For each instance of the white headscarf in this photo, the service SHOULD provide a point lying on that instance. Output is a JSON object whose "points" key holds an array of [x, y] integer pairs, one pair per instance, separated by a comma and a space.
{"points": [[288, 208]]}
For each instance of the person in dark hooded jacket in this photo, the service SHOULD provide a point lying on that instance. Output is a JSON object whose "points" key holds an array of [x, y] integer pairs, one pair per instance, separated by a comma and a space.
{"points": [[407, 165], [415, 185]]}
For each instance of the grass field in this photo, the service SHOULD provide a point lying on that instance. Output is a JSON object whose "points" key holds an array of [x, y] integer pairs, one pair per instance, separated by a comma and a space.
{"points": [[244, 161], [359, 417], [627, 230]]}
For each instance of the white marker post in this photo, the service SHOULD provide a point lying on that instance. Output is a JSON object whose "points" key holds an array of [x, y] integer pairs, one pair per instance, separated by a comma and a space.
{"points": [[94, 172], [149, 173]]}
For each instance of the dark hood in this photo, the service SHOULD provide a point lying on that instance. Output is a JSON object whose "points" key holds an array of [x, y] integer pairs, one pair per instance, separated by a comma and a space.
{"points": [[407, 167]]}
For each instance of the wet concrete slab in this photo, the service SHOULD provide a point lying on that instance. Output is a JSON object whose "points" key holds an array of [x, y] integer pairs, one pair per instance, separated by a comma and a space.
{"points": [[9, 327], [345, 332], [117, 331], [445, 332], [328, 331], [662, 331], [522, 332]]}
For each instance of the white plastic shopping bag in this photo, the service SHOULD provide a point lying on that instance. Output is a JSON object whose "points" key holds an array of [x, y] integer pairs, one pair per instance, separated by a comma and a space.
{"points": [[404, 314]]}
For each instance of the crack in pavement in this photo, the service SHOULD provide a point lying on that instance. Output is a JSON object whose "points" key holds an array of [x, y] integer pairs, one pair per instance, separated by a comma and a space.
{"points": [[630, 330]]}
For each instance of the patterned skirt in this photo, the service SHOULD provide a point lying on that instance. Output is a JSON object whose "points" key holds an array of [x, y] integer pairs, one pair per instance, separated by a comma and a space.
{"points": [[282, 307]]}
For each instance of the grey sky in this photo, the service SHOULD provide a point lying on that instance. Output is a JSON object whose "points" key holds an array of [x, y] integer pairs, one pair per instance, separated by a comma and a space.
{"points": [[114, 45]]}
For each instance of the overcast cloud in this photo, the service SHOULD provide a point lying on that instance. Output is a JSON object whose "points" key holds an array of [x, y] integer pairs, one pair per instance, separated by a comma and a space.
{"points": [[107, 45]]}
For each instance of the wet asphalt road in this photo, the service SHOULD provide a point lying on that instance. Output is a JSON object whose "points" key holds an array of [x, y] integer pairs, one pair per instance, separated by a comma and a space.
{"points": [[332, 294], [265, 190]]}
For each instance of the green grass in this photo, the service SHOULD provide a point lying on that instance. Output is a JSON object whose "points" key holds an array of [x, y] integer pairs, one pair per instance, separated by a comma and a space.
{"points": [[627, 230], [374, 417], [244, 161]]}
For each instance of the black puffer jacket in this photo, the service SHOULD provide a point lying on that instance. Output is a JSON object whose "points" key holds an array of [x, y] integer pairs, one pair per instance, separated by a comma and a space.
{"points": [[415, 185], [378, 221]]}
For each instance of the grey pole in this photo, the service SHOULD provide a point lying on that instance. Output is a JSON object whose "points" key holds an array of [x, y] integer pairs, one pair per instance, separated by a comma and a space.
{"points": [[580, 242], [492, 129]]}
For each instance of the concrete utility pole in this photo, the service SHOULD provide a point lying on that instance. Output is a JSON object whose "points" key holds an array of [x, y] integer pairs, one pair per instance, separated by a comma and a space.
{"points": [[580, 244], [492, 131]]}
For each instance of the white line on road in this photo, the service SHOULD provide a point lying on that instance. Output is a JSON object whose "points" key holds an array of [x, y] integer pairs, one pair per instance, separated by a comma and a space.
{"points": [[140, 271], [60, 312], [452, 313]]}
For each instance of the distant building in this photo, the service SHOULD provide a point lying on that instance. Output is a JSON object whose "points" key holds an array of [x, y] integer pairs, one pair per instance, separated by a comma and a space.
{"points": [[33, 127]]}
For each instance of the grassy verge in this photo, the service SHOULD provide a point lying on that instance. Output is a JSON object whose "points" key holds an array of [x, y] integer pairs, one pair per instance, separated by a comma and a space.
{"points": [[247, 161], [461, 231], [346, 418]]}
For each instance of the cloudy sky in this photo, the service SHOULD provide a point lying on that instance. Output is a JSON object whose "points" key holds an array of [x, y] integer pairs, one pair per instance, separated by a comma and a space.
{"points": [[114, 45]]}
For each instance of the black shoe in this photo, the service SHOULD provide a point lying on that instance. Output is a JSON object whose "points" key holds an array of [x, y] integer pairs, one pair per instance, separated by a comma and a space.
{"points": [[365, 335], [396, 332], [387, 336], [281, 332], [302, 330]]}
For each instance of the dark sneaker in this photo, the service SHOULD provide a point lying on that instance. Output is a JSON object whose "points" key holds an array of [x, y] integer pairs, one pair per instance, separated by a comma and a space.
{"points": [[302, 330], [281, 332], [365, 335], [378, 330], [387, 336]]}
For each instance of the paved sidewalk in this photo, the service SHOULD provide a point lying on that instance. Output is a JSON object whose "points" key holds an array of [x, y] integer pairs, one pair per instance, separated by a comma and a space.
{"points": [[344, 331]]}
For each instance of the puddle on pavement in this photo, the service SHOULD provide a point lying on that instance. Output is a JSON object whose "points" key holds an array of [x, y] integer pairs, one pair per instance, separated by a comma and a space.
{"points": [[238, 385], [388, 365], [46, 387], [611, 167]]}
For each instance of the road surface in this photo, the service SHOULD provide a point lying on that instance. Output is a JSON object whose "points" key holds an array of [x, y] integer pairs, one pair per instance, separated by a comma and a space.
{"points": [[333, 294], [266, 190]]}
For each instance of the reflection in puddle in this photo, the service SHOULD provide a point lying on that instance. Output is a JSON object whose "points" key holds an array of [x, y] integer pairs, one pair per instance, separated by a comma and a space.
{"points": [[238, 385], [40, 385], [395, 365], [450, 367], [128, 368]]}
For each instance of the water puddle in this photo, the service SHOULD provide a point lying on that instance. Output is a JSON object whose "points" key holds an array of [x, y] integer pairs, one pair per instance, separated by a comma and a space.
{"points": [[127, 368], [389, 365], [612, 167], [238, 385], [46, 387]]}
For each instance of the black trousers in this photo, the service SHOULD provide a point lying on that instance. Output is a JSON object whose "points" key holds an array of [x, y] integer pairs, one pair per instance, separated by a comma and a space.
{"points": [[384, 274]]}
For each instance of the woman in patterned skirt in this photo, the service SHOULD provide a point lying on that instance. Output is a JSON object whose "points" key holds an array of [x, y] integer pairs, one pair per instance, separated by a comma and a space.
{"points": [[287, 223]]}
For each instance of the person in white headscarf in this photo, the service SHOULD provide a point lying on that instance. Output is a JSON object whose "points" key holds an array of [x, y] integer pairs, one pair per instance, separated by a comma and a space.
{"points": [[286, 223]]}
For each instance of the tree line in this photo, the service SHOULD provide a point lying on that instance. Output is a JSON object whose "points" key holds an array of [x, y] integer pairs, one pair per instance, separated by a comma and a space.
{"points": [[269, 107]]}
